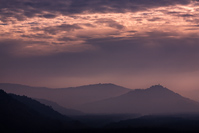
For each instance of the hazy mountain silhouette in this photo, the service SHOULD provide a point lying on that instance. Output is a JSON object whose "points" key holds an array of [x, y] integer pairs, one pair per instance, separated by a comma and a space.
{"points": [[155, 99], [60, 109], [193, 94], [17, 115], [68, 97]]}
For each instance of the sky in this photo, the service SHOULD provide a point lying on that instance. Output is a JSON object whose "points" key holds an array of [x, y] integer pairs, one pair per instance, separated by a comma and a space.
{"points": [[132, 43]]}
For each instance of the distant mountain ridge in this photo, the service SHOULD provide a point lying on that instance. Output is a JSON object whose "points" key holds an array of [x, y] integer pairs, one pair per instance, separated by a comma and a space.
{"points": [[67, 97], [193, 94], [154, 100], [111, 99]]}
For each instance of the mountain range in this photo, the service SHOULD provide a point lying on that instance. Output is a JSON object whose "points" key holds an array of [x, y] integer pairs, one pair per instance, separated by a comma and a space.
{"points": [[154, 100], [108, 99], [155, 109], [67, 97]]}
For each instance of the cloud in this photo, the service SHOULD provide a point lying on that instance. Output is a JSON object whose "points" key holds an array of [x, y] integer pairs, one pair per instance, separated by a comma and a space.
{"points": [[53, 30], [57, 34], [50, 9], [37, 36], [48, 15], [154, 19], [111, 23], [65, 39]]}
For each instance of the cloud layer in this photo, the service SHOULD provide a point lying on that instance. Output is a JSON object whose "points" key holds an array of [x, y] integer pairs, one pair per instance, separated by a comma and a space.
{"points": [[21, 9]]}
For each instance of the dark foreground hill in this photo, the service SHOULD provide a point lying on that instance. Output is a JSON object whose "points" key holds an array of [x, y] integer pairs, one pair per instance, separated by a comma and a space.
{"points": [[160, 123], [22, 114], [42, 109], [154, 100]]}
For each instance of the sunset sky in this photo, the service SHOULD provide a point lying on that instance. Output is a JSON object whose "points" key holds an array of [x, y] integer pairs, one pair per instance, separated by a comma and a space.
{"points": [[132, 43]]}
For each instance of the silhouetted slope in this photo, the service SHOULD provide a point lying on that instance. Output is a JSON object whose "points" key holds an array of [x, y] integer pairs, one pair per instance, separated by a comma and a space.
{"points": [[17, 117], [68, 97], [193, 94], [100, 120], [60, 109], [42, 109], [155, 99], [167, 123]]}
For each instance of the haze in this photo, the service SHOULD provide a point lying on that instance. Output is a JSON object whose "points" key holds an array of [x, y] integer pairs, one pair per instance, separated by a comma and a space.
{"points": [[132, 43]]}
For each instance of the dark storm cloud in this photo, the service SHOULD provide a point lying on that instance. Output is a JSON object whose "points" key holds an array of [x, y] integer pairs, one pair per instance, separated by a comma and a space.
{"points": [[21, 9]]}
